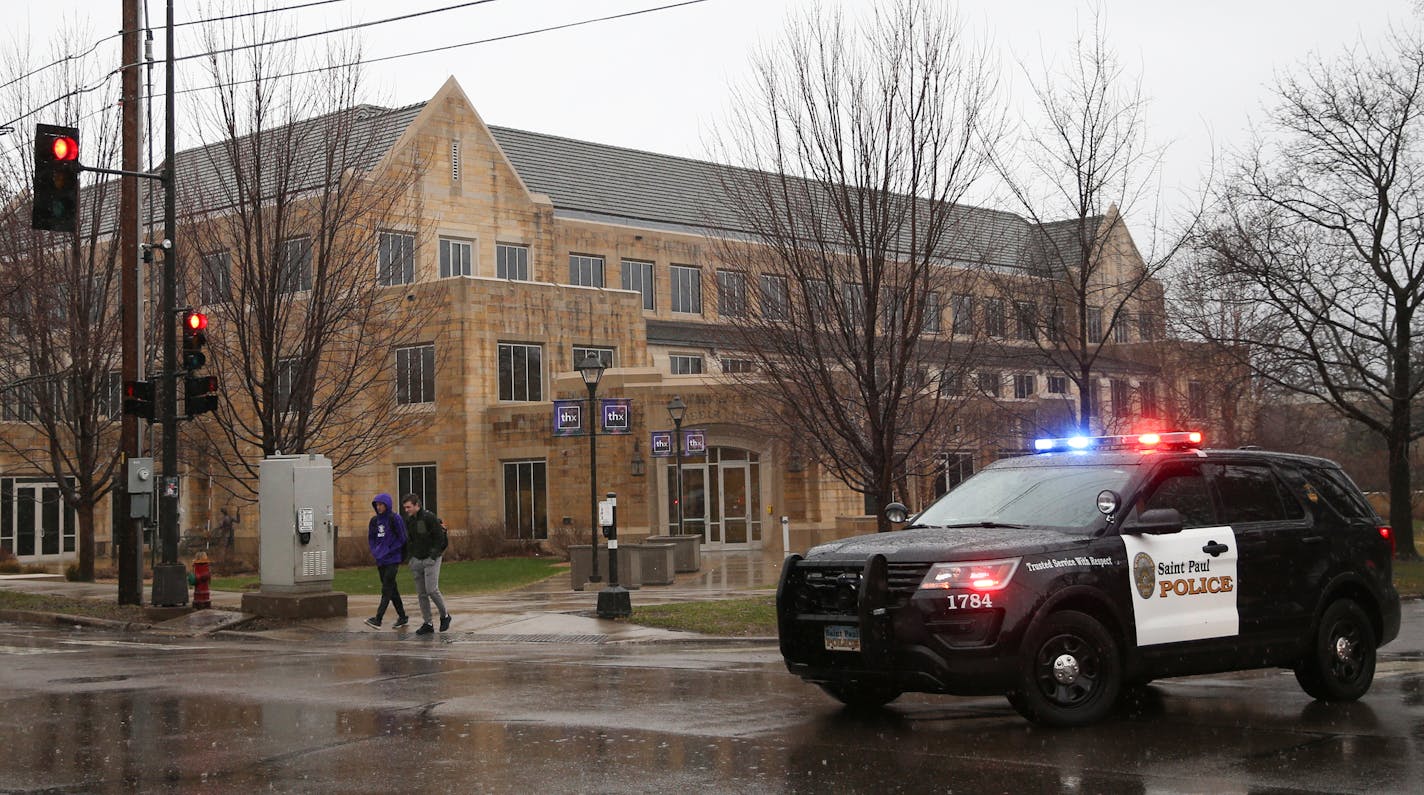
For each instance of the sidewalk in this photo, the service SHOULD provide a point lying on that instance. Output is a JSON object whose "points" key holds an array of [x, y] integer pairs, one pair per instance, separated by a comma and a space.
{"points": [[548, 611]]}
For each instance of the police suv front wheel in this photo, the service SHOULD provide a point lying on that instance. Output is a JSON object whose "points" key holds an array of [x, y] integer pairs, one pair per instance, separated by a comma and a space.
{"points": [[1071, 673], [1340, 664]]}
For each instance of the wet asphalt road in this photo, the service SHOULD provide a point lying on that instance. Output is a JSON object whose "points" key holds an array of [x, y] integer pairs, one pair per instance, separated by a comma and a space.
{"points": [[83, 710]]}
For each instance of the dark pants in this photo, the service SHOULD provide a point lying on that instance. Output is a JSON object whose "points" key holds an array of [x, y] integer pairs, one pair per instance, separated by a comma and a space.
{"points": [[389, 593]]}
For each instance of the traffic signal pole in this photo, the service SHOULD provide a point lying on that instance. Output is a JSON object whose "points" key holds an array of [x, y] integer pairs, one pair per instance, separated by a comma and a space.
{"points": [[170, 577]]}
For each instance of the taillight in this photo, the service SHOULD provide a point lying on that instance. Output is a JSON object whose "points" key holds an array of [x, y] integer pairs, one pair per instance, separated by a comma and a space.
{"points": [[1387, 533]]}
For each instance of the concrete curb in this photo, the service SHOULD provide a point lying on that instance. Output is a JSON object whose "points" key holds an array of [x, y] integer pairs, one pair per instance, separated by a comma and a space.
{"points": [[65, 619]]}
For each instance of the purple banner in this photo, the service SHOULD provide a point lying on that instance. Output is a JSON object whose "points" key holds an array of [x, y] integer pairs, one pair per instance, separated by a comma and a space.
{"points": [[617, 417], [568, 417]]}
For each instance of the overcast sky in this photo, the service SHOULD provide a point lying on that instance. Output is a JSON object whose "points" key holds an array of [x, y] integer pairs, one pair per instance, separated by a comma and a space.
{"points": [[661, 81]]}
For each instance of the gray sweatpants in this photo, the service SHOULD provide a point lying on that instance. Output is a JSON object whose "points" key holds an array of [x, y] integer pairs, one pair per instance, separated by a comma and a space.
{"points": [[427, 585]]}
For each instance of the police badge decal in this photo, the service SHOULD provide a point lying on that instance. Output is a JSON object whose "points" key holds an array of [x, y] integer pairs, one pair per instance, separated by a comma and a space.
{"points": [[1144, 575]]}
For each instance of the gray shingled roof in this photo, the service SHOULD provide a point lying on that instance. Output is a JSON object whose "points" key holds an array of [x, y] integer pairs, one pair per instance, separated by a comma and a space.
{"points": [[598, 181]]}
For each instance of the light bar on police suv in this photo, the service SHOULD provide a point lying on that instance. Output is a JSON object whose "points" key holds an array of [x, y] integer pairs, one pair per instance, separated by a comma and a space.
{"points": [[1134, 441]]}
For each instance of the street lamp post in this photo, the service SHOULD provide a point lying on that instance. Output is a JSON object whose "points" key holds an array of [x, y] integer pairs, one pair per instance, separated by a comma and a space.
{"points": [[677, 409], [591, 370]]}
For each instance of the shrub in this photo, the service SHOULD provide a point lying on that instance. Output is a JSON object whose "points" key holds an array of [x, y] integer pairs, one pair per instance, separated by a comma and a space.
{"points": [[488, 541], [71, 572], [561, 538], [10, 566]]}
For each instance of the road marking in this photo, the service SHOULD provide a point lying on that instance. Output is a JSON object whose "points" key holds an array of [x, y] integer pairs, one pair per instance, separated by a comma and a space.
{"points": [[129, 644], [34, 650]]}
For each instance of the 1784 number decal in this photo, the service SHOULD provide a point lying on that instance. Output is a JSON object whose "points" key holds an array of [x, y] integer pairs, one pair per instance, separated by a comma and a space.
{"points": [[970, 601]]}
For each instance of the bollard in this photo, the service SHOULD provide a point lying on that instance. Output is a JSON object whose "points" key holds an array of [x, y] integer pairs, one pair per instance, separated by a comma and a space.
{"points": [[202, 575]]}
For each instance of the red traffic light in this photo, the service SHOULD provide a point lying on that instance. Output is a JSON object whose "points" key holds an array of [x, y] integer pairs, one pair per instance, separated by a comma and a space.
{"points": [[196, 321], [65, 148]]}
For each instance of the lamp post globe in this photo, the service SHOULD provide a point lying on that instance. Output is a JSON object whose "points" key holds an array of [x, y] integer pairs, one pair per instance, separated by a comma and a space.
{"points": [[677, 410], [591, 371]]}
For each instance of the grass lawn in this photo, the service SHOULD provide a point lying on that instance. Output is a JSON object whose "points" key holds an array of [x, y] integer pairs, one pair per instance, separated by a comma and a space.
{"points": [[12, 600], [733, 618], [457, 577]]}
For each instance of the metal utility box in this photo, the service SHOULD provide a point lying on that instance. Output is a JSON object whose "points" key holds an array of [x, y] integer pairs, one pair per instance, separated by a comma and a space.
{"points": [[298, 541]]}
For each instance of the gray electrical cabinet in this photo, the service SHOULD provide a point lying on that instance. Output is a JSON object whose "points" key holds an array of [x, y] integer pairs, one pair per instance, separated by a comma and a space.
{"points": [[298, 541]]}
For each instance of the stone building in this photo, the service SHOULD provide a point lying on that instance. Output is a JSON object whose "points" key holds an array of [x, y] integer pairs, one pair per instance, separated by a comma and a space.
{"points": [[539, 250]]}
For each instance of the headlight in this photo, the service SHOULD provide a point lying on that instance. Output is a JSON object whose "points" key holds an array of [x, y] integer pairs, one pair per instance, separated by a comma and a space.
{"points": [[979, 575]]}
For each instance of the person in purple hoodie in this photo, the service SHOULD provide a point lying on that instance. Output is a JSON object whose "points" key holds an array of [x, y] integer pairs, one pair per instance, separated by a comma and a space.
{"points": [[387, 539]]}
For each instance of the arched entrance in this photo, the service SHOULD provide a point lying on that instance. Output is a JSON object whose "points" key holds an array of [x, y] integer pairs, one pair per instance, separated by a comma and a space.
{"points": [[722, 497]]}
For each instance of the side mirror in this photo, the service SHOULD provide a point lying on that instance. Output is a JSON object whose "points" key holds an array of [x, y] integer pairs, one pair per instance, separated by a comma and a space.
{"points": [[1156, 522], [897, 513]]}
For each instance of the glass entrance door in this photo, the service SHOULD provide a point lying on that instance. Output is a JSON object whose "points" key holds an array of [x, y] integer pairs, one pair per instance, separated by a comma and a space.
{"points": [[38, 524], [734, 502]]}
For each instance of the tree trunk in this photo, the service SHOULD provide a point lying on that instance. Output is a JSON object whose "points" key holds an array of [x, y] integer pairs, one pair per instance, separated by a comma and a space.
{"points": [[1401, 513], [85, 515]]}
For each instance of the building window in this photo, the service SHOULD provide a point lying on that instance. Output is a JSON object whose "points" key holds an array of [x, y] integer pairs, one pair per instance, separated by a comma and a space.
{"points": [[395, 258], [989, 383], [775, 297], [994, 321], [1058, 385], [1121, 328], [1095, 325], [818, 299], [288, 372], [1025, 386], [1196, 400], [963, 308], [1147, 392], [526, 513], [1146, 326], [951, 384], [113, 405], [415, 374], [731, 293], [585, 271], [521, 372], [295, 269], [853, 296], [955, 468], [1025, 320], [456, 258], [934, 312], [639, 276], [511, 262], [455, 161], [216, 287], [419, 479], [1121, 398], [736, 365], [581, 352], [683, 364], [1056, 324], [686, 289]]}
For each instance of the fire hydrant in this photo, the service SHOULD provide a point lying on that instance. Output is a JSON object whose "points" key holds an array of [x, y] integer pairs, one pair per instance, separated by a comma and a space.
{"points": [[202, 575]]}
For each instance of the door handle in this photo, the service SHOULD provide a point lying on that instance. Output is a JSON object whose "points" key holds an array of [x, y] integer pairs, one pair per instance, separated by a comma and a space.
{"points": [[1212, 548]]}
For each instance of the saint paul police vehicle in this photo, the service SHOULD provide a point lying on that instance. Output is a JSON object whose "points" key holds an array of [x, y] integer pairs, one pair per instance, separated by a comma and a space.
{"points": [[1060, 578]]}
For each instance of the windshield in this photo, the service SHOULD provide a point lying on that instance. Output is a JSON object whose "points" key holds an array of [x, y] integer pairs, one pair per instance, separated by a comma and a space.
{"points": [[1057, 497]]}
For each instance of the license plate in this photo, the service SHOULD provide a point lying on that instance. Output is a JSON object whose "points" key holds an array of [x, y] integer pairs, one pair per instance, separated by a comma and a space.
{"points": [[842, 638]]}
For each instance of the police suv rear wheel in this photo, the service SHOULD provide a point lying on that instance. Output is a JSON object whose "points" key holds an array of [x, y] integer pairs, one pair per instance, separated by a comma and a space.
{"points": [[1340, 665], [860, 696], [1071, 673]]}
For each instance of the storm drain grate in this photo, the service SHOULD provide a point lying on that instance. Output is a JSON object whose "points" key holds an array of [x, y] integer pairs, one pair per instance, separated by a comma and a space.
{"points": [[492, 638]]}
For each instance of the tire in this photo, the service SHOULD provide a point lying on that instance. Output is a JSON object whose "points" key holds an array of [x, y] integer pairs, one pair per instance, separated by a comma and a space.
{"points": [[858, 696], [1070, 673], [1340, 663]]}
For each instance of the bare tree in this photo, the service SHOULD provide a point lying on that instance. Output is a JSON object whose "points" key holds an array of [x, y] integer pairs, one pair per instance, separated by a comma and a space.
{"points": [[60, 315], [853, 148], [1319, 238], [302, 227], [1084, 163]]}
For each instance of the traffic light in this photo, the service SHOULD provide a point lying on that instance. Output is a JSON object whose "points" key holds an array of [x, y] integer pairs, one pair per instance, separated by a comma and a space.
{"points": [[56, 186], [194, 338], [138, 399], [202, 394]]}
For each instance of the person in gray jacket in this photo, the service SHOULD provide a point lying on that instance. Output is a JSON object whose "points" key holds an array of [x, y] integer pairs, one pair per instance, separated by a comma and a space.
{"points": [[426, 541]]}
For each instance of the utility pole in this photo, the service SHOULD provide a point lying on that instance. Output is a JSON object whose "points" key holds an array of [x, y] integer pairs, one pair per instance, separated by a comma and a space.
{"points": [[128, 533], [170, 577]]}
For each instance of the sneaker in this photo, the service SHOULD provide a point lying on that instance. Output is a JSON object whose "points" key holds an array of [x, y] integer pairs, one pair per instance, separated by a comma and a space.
{"points": [[444, 622], [425, 629], [402, 621], [373, 622]]}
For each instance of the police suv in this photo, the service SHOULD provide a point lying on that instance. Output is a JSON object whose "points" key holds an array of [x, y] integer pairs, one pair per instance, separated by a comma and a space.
{"points": [[1060, 578]]}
